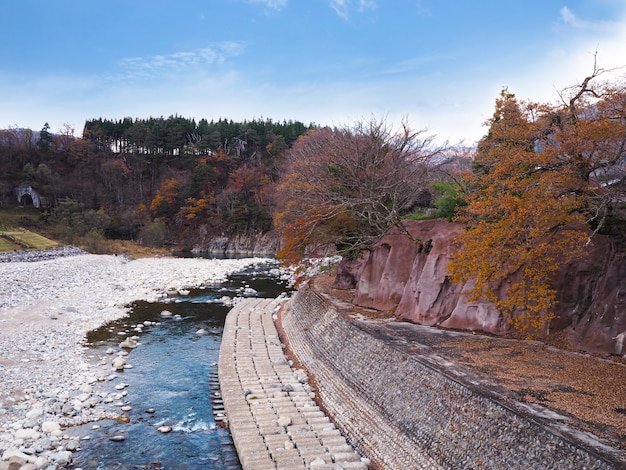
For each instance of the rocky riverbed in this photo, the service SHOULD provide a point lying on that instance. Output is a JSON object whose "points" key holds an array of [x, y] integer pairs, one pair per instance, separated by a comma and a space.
{"points": [[48, 302]]}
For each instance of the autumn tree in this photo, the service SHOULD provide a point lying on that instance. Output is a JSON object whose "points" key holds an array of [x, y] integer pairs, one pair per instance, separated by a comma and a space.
{"points": [[544, 180], [349, 186], [167, 200]]}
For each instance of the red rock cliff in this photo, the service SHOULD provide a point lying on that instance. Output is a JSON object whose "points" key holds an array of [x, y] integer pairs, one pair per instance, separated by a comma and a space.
{"points": [[413, 283]]}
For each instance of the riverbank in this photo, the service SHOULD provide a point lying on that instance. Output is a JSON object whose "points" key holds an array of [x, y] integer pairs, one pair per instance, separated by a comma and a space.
{"points": [[421, 397], [46, 308]]}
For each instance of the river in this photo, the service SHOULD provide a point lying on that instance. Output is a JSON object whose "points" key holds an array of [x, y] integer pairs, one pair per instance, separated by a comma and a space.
{"points": [[171, 382]]}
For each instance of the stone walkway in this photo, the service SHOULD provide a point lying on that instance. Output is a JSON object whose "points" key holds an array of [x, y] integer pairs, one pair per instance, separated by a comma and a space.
{"points": [[273, 419]]}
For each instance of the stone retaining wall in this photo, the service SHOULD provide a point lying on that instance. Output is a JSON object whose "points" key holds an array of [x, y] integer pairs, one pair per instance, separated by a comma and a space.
{"points": [[404, 414]]}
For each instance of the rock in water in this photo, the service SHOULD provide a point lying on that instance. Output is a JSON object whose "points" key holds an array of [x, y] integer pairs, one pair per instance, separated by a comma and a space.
{"points": [[129, 343], [119, 363]]}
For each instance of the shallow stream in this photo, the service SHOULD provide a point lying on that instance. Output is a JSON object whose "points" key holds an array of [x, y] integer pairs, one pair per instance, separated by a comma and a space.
{"points": [[171, 382]]}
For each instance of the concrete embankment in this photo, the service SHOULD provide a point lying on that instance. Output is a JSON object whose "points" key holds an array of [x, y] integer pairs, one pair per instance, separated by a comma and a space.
{"points": [[405, 413], [273, 419]]}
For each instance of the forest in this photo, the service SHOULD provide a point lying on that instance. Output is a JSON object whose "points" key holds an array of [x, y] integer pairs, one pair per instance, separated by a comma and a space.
{"points": [[151, 180]]}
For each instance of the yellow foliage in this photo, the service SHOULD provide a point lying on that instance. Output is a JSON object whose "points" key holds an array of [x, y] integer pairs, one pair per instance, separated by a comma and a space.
{"points": [[524, 221]]}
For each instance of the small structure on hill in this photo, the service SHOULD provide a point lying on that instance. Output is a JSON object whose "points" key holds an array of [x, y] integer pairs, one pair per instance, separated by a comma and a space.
{"points": [[27, 190]]}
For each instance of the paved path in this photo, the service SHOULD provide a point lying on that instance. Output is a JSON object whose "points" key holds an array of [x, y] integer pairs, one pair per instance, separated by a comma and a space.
{"points": [[273, 419]]}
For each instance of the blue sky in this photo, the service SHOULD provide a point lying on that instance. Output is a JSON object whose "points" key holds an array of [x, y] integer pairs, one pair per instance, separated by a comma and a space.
{"points": [[439, 63]]}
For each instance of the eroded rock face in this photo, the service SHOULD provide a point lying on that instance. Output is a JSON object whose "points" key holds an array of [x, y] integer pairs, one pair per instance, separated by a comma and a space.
{"points": [[240, 244], [592, 304], [411, 279], [400, 276]]}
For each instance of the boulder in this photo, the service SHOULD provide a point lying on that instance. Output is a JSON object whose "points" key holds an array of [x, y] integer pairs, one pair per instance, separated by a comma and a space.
{"points": [[129, 343], [62, 458], [16, 454], [27, 433], [119, 363], [49, 427]]}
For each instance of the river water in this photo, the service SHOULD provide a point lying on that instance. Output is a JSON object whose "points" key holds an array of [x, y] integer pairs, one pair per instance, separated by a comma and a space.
{"points": [[171, 382]]}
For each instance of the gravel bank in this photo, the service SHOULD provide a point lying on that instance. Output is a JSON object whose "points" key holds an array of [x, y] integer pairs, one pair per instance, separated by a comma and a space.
{"points": [[46, 308], [40, 255]]}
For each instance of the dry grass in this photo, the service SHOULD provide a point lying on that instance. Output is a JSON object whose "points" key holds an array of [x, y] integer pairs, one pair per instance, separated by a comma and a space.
{"points": [[7, 245], [27, 240], [130, 249]]}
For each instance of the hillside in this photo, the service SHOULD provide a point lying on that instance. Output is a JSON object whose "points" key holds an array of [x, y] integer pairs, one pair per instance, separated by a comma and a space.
{"points": [[160, 181]]}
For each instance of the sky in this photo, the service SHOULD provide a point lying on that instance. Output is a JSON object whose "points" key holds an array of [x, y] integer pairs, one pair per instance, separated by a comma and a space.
{"points": [[438, 64]]}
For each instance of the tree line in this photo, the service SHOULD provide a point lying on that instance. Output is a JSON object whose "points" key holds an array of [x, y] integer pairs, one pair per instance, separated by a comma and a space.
{"points": [[165, 176]]}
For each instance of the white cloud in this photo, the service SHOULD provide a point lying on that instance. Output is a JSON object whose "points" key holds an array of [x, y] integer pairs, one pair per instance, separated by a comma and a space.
{"points": [[342, 7], [275, 4], [144, 67], [569, 20], [569, 60], [367, 5]]}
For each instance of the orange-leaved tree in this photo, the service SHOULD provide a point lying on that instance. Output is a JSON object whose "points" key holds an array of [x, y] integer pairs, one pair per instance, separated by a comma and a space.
{"points": [[167, 199], [540, 188]]}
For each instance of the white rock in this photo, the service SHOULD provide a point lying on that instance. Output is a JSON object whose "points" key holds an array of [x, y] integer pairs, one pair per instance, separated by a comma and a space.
{"points": [[27, 433], [164, 429], [129, 343], [166, 314], [62, 458], [35, 413], [119, 363], [50, 426], [7, 454], [41, 463]]}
